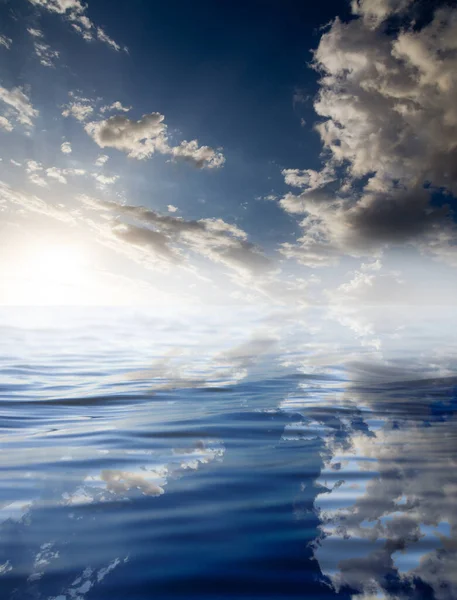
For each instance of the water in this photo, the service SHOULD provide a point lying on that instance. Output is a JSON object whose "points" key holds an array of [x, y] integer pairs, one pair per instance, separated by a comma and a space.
{"points": [[274, 455]]}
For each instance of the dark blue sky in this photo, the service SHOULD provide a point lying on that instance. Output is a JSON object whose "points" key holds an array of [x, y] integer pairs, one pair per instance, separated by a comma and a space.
{"points": [[224, 73]]}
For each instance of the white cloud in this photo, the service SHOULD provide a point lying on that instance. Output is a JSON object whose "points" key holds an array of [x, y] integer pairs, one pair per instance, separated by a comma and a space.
{"points": [[75, 12], [140, 139], [46, 54], [5, 124], [104, 180], [32, 166], [103, 37], [66, 148], [61, 175], [37, 180], [200, 156], [101, 160], [5, 41], [116, 106], [375, 12], [172, 208], [79, 107], [35, 170], [55, 173], [35, 32], [308, 178], [19, 105], [370, 288]]}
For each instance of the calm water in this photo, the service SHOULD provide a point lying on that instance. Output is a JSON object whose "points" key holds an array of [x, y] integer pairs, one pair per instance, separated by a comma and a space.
{"points": [[268, 456]]}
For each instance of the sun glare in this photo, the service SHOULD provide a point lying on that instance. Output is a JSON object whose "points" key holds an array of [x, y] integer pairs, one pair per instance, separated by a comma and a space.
{"points": [[59, 262], [52, 273]]}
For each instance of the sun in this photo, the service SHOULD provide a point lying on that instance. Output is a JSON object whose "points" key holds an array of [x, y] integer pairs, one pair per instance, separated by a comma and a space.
{"points": [[58, 262], [50, 273]]}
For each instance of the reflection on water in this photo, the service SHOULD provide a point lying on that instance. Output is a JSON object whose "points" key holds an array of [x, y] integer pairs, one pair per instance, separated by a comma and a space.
{"points": [[306, 455]]}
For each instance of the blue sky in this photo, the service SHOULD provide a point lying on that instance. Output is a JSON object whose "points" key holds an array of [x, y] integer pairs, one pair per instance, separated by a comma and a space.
{"points": [[286, 144]]}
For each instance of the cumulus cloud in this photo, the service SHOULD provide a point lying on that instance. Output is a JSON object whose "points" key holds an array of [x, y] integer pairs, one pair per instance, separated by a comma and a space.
{"points": [[141, 138], [138, 138], [172, 208], [66, 148], [74, 11], [389, 131], [5, 41], [18, 105]]}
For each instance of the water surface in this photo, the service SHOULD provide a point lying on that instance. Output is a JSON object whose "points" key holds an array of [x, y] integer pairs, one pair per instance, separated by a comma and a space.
{"points": [[202, 457]]}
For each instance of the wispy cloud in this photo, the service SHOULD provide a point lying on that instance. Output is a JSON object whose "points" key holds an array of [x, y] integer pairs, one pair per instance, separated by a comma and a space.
{"points": [[18, 105], [5, 41], [74, 11]]}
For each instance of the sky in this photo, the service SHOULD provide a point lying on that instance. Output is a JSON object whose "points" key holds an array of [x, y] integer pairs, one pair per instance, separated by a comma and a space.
{"points": [[263, 152]]}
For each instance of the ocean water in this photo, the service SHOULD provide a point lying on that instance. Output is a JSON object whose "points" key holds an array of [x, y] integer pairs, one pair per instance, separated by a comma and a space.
{"points": [[222, 454]]}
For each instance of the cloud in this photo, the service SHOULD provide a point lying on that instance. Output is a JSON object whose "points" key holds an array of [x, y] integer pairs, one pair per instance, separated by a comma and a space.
{"points": [[32, 166], [371, 287], [308, 178], [375, 12], [200, 156], [5, 41], [5, 124], [172, 208], [141, 138], [80, 108], [35, 171], [138, 138], [61, 175], [168, 237], [66, 148], [115, 106], [37, 180], [19, 105], [103, 37], [104, 180], [389, 131], [74, 11], [101, 160], [37, 33], [46, 54]]}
